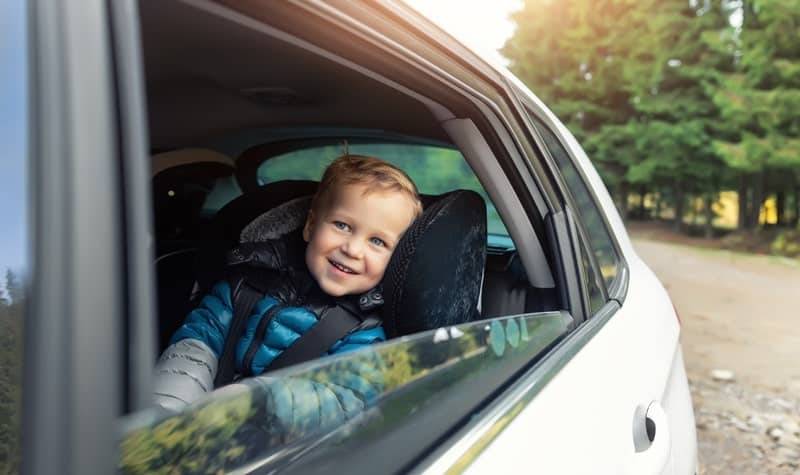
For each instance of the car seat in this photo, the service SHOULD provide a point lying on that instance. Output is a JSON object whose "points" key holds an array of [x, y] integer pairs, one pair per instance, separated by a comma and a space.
{"points": [[434, 276]]}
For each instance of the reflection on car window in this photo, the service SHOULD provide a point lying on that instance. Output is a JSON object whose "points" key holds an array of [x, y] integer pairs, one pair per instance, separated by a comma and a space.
{"points": [[435, 170], [14, 236], [268, 421], [599, 238], [223, 191]]}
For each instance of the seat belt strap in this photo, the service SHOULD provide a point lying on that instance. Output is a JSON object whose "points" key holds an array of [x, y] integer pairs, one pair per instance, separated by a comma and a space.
{"points": [[335, 325], [244, 300]]}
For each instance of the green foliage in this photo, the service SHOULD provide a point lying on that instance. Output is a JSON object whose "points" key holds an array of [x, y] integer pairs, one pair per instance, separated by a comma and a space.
{"points": [[631, 80], [670, 94], [11, 325]]}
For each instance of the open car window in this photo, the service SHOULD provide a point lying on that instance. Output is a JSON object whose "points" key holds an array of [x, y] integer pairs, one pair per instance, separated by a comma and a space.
{"points": [[434, 169], [350, 408]]}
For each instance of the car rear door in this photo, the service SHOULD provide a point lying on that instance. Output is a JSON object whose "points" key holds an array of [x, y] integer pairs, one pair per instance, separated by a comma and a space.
{"points": [[616, 385]]}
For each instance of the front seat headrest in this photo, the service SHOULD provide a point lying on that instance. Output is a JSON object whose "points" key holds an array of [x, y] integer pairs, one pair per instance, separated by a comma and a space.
{"points": [[434, 276], [190, 156], [182, 181]]}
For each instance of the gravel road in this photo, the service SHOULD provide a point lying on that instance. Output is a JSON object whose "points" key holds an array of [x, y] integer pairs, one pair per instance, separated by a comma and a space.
{"points": [[740, 313]]}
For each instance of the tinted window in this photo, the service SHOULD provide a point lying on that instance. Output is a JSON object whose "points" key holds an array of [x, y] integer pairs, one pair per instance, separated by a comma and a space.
{"points": [[13, 232], [599, 238], [415, 389], [435, 170]]}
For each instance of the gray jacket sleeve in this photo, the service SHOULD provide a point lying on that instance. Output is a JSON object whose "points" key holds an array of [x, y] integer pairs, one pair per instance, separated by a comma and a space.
{"points": [[183, 374]]}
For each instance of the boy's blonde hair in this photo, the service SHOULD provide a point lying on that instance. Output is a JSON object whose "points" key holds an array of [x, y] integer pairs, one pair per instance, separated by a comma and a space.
{"points": [[375, 173]]}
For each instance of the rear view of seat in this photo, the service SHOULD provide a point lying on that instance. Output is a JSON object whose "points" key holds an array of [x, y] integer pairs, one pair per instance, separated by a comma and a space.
{"points": [[507, 290], [182, 181]]}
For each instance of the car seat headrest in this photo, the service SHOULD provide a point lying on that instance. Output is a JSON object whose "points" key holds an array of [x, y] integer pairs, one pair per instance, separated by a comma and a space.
{"points": [[434, 276], [278, 221], [182, 181], [230, 221], [190, 156]]}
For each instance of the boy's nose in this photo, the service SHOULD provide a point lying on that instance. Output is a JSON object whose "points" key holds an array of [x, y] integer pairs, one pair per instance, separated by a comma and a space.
{"points": [[353, 248]]}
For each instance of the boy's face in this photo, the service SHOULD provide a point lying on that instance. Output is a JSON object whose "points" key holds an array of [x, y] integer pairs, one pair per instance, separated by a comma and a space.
{"points": [[351, 238]]}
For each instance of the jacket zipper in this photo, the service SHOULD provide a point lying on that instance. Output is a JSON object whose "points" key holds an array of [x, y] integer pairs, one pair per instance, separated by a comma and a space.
{"points": [[258, 338]]}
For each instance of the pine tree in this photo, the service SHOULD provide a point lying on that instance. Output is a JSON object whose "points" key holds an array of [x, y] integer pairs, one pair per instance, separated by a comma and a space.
{"points": [[14, 288], [760, 99], [627, 77]]}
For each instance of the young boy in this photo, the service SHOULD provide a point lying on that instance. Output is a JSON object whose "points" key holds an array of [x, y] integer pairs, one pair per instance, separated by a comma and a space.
{"points": [[361, 209]]}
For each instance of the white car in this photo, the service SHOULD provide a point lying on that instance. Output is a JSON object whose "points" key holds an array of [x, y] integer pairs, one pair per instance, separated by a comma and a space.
{"points": [[187, 113]]}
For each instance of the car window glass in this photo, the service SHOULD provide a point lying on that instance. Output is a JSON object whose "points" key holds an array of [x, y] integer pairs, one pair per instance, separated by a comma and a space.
{"points": [[435, 170], [599, 237], [14, 265], [223, 191], [336, 405]]}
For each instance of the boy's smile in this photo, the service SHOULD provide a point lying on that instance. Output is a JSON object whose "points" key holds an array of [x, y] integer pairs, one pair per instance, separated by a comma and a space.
{"points": [[351, 238]]}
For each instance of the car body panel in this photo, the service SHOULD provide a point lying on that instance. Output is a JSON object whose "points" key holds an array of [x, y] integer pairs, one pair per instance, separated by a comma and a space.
{"points": [[590, 404]]}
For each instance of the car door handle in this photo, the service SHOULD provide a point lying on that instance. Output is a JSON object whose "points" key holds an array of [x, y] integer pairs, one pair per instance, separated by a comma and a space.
{"points": [[651, 439]]}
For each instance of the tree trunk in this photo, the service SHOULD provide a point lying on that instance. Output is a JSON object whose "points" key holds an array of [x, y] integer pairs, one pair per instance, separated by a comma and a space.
{"points": [[796, 216], [678, 194], [709, 226], [743, 220], [659, 201], [642, 192], [696, 214], [758, 199], [780, 207]]}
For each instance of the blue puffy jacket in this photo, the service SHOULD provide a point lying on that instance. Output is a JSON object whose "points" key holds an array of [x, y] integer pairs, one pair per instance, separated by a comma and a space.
{"points": [[187, 368], [211, 321]]}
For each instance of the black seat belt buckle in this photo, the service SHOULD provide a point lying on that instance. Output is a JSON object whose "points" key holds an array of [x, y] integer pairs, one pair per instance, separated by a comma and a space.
{"points": [[371, 300]]}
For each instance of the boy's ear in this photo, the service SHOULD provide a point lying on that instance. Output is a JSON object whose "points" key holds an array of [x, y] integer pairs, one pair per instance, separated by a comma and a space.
{"points": [[308, 226]]}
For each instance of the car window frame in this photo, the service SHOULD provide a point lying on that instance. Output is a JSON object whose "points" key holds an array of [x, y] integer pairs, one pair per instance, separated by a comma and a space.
{"points": [[618, 287], [73, 357]]}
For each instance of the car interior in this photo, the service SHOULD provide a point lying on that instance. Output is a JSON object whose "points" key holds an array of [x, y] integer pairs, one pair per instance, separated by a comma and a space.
{"points": [[243, 118]]}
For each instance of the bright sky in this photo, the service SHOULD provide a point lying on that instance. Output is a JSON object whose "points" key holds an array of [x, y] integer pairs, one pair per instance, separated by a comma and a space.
{"points": [[483, 25], [13, 158]]}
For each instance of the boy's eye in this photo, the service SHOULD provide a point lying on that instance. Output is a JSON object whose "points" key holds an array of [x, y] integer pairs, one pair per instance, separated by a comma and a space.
{"points": [[341, 225], [378, 242]]}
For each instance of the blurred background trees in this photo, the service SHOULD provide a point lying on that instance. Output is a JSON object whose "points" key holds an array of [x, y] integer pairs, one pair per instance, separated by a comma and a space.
{"points": [[11, 311], [689, 108]]}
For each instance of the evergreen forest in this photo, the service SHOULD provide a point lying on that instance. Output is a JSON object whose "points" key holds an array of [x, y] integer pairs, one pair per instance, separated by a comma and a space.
{"points": [[679, 103], [12, 303]]}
